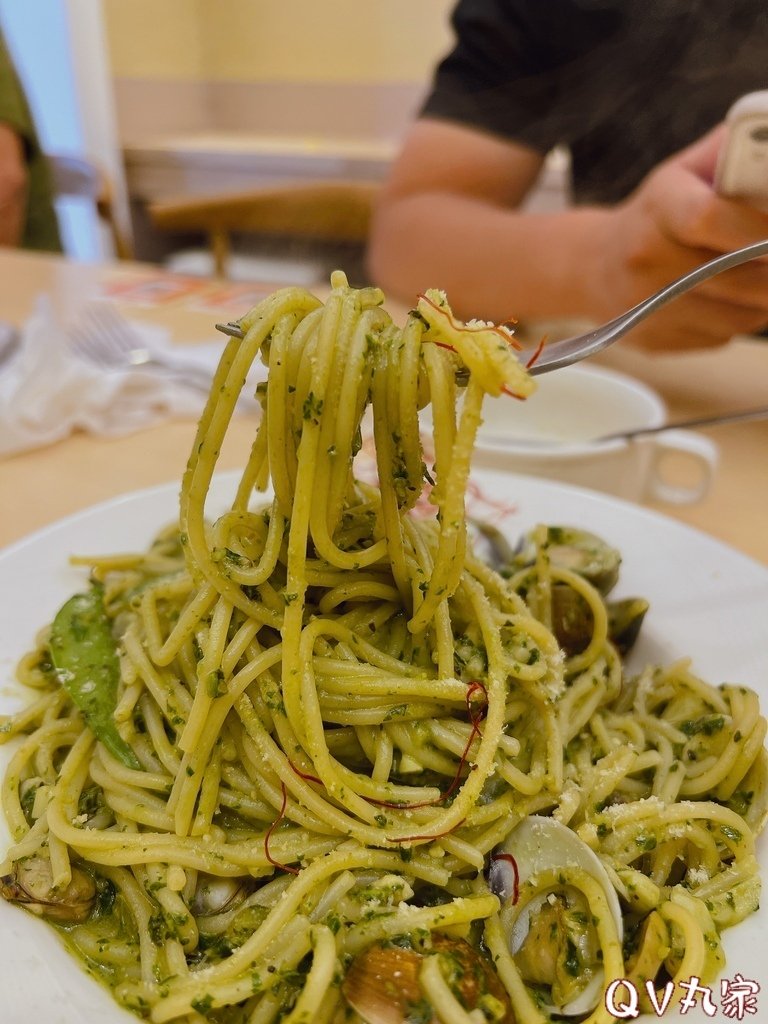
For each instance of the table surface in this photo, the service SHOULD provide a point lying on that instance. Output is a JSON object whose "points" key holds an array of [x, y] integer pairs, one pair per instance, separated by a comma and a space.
{"points": [[40, 486]]}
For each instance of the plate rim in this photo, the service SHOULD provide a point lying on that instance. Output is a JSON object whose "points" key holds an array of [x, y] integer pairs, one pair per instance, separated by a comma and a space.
{"points": [[636, 509], [73, 984]]}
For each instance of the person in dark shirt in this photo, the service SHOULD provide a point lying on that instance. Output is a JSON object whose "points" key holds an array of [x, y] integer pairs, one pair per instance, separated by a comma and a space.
{"points": [[637, 91], [27, 216]]}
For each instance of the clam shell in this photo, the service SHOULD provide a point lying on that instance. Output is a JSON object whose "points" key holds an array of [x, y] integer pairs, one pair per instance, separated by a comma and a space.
{"points": [[382, 982], [540, 844]]}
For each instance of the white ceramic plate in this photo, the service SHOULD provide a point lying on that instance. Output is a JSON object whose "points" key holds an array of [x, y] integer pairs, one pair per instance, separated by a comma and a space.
{"points": [[707, 602]]}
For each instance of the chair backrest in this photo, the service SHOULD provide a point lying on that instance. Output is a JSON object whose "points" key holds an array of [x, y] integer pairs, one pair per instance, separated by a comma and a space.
{"points": [[324, 211], [76, 176]]}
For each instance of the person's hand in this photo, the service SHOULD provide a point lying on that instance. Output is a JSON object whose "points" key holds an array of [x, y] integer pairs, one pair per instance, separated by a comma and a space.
{"points": [[13, 186], [672, 223]]}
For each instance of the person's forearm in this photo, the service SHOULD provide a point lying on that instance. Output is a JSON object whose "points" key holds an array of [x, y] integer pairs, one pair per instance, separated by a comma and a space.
{"points": [[450, 218], [493, 264]]}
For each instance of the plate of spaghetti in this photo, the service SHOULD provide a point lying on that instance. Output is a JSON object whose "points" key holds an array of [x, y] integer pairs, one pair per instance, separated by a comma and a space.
{"points": [[358, 734]]}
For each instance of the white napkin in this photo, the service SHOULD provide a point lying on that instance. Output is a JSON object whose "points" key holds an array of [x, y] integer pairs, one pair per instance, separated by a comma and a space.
{"points": [[47, 392]]}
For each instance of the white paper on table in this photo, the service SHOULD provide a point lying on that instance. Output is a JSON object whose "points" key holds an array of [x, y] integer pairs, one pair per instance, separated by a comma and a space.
{"points": [[47, 392]]}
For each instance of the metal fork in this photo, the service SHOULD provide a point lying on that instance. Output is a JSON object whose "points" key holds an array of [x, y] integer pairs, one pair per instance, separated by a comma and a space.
{"points": [[103, 338], [580, 346]]}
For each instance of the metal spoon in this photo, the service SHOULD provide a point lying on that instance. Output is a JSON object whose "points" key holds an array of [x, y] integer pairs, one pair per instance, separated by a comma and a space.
{"points": [[549, 443], [699, 421]]}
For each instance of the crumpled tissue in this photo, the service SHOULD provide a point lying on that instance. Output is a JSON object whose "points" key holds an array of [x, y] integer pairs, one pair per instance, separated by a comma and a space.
{"points": [[47, 391]]}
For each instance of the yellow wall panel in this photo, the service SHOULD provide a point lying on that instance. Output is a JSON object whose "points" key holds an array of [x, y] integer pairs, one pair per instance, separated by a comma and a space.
{"points": [[155, 38], [269, 40], [331, 41]]}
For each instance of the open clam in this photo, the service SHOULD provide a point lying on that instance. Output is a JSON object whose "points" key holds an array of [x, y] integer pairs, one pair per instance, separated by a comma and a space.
{"points": [[578, 550], [551, 933], [583, 553], [30, 883], [382, 983]]}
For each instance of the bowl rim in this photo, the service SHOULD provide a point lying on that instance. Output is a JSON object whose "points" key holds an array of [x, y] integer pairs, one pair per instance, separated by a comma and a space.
{"points": [[534, 449]]}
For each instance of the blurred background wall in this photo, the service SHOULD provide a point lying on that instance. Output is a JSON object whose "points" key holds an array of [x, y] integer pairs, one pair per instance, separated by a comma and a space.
{"points": [[185, 97], [178, 99], [340, 68], [223, 96]]}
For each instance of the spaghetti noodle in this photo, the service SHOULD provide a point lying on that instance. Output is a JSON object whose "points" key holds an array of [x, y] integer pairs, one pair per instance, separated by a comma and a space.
{"points": [[328, 713]]}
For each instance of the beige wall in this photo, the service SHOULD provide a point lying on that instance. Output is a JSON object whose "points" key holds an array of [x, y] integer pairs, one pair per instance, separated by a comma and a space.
{"points": [[260, 40], [332, 40], [155, 38], [354, 68]]}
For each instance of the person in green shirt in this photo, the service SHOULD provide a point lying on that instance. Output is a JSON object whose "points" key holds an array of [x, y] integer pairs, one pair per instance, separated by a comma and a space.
{"points": [[27, 216]]}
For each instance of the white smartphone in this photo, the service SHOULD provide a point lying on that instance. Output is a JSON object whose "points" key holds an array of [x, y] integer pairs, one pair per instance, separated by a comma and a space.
{"points": [[742, 167]]}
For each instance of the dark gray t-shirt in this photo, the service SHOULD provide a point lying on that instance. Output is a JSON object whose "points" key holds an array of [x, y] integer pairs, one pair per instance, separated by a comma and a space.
{"points": [[622, 83]]}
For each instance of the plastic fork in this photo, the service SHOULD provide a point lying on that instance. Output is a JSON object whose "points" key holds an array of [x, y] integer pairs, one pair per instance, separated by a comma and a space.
{"points": [[581, 346]]}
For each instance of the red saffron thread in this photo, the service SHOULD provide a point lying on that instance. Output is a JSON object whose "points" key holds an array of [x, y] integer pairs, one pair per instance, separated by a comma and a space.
{"points": [[475, 719], [503, 508], [515, 874], [271, 829], [537, 353], [501, 329], [304, 775]]}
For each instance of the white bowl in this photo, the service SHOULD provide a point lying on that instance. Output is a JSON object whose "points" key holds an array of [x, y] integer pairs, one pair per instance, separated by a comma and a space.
{"points": [[556, 434]]}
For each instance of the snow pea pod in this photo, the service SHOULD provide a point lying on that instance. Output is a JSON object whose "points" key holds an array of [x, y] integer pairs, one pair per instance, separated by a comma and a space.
{"points": [[84, 654]]}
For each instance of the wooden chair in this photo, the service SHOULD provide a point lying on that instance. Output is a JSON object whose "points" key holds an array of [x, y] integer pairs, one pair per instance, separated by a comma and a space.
{"points": [[75, 176], [324, 212]]}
